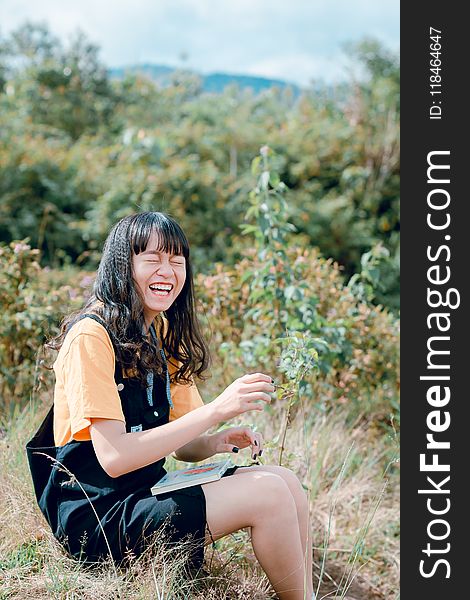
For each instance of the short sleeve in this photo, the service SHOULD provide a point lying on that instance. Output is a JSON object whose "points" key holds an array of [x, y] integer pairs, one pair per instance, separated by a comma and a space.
{"points": [[185, 399], [89, 385]]}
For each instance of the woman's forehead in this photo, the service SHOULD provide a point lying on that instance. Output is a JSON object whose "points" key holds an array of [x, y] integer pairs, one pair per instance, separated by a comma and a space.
{"points": [[155, 242]]}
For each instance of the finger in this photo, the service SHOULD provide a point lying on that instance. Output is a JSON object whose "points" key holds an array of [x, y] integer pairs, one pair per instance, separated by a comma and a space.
{"points": [[257, 445], [228, 448], [248, 433], [254, 449], [259, 406], [260, 443], [233, 431], [239, 441], [238, 436], [259, 386], [251, 436], [253, 396], [252, 377]]}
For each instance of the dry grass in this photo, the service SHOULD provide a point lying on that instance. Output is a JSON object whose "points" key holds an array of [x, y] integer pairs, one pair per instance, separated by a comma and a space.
{"points": [[359, 511]]}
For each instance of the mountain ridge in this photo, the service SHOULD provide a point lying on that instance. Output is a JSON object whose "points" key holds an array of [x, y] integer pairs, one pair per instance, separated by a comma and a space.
{"points": [[211, 82]]}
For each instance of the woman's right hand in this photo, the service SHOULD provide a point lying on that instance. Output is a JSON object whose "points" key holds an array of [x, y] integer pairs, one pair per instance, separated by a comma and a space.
{"points": [[242, 395]]}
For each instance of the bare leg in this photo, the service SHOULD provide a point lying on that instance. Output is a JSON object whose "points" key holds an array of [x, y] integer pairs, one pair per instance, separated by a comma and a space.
{"points": [[303, 513], [262, 501]]}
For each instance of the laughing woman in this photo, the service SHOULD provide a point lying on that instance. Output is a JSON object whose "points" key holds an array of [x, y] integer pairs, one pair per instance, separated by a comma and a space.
{"points": [[125, 398]]}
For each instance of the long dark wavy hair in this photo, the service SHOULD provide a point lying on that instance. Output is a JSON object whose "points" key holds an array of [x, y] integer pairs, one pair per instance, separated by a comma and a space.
{"points": [[117, 300]]}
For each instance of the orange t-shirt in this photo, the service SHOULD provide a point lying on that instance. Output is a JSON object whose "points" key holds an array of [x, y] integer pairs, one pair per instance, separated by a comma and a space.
{"points": [[85, 386]]}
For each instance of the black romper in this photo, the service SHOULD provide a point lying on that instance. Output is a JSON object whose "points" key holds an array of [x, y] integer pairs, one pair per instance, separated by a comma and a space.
{"points": [[127, 511]]}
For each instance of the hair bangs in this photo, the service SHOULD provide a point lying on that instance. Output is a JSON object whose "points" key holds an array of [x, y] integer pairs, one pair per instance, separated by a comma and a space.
{"points": [[170, 236]]}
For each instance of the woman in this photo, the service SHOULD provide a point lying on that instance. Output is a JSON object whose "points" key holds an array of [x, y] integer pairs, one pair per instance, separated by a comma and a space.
{"points": [[125, 399]]}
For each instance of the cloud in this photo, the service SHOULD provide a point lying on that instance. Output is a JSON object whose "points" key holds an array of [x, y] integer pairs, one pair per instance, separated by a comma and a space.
{"points": [[292, 40], [301, 68]]}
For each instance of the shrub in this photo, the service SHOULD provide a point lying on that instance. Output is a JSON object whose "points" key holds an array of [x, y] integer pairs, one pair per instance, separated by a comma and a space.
{"points": [[279, 288], [30, 305]]}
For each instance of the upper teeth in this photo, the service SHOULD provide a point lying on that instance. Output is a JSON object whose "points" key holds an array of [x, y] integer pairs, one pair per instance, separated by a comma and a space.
{"points": [[160, 286]]}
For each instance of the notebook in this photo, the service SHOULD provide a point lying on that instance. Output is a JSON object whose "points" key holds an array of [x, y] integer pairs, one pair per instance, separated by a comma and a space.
{"points": [[182, 478]]}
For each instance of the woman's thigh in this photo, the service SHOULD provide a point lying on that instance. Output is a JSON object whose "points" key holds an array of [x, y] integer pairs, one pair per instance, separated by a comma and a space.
{"points": [[233, 503]]}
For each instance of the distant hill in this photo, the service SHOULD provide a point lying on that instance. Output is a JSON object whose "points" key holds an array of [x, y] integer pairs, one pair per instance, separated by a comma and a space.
{"points": [[214, 82]]}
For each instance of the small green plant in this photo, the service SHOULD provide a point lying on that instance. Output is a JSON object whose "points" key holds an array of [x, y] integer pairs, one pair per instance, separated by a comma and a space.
{"points": [[299, 356], [277, 296], [283, 314]]}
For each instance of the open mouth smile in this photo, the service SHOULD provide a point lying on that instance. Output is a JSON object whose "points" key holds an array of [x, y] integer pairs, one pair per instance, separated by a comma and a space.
{"points": [[161, 289]]}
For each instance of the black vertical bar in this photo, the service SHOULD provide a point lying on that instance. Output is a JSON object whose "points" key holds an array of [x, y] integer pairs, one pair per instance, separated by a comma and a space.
{"points": [[422, 135]]}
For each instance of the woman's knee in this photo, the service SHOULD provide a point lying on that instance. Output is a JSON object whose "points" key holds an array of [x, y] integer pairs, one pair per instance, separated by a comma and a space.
{"points": [[271, 496], [237, 502], [294, 485], [290, 479]]}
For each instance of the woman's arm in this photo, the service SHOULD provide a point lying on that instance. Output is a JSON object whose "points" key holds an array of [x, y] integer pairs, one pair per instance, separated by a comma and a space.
{"points": [[196, 450], [227, 440], [119, 452]]}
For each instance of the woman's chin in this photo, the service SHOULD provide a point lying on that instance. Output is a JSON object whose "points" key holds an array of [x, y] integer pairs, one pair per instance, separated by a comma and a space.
{"points": [[160, 304]]}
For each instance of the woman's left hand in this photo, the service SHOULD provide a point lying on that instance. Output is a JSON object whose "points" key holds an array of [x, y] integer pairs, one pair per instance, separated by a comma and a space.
{"points": [[238, 437]]}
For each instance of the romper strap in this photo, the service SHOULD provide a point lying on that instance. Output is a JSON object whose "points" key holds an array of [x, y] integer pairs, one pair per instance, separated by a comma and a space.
{"points": [[165, 363], [95, 318]]}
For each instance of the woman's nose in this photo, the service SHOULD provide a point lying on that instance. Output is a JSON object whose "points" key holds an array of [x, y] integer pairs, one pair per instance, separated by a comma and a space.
{"points": [[164, 268]]}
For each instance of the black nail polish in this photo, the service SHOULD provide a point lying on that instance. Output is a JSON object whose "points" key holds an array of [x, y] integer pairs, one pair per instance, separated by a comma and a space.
{"points": [[256, 443], [235, 449], [254, 456], [272, 380], [260, 453]]}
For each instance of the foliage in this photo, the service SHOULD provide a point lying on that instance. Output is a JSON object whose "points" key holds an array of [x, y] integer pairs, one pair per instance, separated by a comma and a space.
{"points": [[280, 289], [32, 563], [359, 366], [78, 151], [280, 286], [29, 306], [66, 89], [282, 308], [114, 147], [378, 62], [44, 198]]}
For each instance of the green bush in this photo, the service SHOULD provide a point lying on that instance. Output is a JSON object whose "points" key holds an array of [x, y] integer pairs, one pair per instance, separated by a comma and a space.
{"points": [[360, 358], [31, 304]]}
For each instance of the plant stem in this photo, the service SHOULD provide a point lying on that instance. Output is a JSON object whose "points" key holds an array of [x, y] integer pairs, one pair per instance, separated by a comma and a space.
{"points": [[284, 426]]}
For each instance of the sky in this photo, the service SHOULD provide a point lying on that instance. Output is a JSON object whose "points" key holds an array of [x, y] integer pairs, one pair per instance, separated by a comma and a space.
{"points": [[294, 40]]}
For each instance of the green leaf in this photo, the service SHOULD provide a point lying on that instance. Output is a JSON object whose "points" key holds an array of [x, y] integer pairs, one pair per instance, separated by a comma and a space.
{"points": [[246, 228], [255, 163], [274, 179], [290, 291]]}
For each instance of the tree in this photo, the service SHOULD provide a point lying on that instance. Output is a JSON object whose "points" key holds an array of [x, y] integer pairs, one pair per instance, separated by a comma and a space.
{"points": [[65, 88]]}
